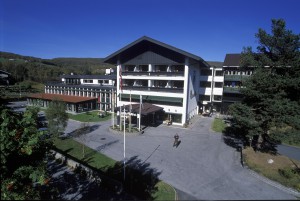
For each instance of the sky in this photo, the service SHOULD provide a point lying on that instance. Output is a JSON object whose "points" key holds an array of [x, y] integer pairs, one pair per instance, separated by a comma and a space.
{"points": [[97, 28]]}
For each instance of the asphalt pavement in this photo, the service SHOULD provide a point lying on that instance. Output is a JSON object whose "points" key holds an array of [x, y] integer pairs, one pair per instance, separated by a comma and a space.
{"points": [[289, 151], [201, 167]]}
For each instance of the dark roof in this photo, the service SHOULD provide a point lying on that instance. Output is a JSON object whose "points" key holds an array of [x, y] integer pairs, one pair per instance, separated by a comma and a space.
{"points": [[215, 63], [232, 60], [103, 77], [145, 44], [64, 98], [146, 108], [88, 86]]}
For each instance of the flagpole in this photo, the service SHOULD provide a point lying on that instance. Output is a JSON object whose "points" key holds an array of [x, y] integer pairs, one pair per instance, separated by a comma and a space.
{"points": [[129, 128], [124, 143], [140, 112], [113, 108], [120, 122]]}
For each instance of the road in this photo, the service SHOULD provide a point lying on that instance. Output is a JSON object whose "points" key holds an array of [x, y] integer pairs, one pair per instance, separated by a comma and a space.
{"points": [[289, 151]]}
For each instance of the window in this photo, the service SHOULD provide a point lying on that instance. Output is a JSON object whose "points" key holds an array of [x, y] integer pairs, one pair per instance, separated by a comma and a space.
{"points": [[217, 97], [219, 73], [204, 97], [205, 84], [87, 81], [206, 72], [218, 84]]}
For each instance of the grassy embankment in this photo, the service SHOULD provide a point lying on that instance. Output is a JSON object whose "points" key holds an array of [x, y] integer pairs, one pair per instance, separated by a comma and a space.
{"points": [[283, 170], [163, 191]]}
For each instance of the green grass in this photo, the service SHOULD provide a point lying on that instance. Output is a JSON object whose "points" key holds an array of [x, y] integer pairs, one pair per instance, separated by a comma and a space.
{"points": [[282, 170], [93, 157], [91, 116], [164, 192], [102, 162], [218, 125]]}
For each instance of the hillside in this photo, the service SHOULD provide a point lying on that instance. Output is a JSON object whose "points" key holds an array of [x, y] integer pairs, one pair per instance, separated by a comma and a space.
{"points": [[30, 68]]}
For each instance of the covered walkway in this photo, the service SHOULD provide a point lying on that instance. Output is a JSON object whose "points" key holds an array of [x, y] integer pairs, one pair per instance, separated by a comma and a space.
{"points": [[151, 114]]}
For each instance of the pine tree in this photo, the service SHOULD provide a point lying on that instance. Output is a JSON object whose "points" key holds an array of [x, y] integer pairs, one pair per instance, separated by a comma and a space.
{"points": [[270, 110]]}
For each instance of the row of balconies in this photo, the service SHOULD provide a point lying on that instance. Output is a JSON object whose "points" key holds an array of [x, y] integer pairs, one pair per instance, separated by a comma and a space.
{"points": [[235, 77], [154, 89], [154, 73]]}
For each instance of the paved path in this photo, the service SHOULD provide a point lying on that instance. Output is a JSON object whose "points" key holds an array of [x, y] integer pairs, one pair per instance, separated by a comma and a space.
{"points": [[201, 167], [289, 151]]}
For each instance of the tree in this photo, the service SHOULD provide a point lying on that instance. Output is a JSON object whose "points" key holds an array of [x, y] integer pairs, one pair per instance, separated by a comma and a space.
{"points": [[270, 110], [22, 155], [57, 117]]}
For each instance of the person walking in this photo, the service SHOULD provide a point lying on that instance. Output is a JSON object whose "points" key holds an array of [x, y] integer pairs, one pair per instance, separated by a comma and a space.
{"points": [[176, 137]]}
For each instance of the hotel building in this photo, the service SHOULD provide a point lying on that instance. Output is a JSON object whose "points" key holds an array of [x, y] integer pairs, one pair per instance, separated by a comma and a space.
{"points": [[164, 76]]}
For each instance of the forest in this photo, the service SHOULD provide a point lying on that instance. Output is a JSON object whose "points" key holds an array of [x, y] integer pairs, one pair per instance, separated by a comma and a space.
{"points": [[27, 68]]}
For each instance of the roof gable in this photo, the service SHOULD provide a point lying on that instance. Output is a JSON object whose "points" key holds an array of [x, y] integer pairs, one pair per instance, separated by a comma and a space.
{"points": [[232, 60], [145, 44], [150, 57]]}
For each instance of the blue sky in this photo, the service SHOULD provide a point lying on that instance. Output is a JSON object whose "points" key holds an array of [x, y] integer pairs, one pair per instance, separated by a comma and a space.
{"points": [[97, 28]]}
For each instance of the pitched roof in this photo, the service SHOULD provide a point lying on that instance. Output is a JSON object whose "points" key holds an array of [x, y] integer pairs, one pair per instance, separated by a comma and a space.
{"points": [[232, 60], [215, 63], [145, 44], [64, 98]]}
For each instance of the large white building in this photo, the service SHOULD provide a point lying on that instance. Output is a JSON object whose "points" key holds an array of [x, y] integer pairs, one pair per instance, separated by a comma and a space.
{"points": [[164, 76]]}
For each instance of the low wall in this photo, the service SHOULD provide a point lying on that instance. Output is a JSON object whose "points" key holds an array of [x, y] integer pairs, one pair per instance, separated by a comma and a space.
{"points": [[91, 172]]}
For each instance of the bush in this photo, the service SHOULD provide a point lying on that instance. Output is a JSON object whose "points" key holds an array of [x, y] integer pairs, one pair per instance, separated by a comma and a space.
{"points": [[287, 173]]}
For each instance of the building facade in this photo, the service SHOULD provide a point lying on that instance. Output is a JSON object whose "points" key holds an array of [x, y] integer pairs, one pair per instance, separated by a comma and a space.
{"points": [[159, 74], [211, 88], [98, 90], [234, 76]]}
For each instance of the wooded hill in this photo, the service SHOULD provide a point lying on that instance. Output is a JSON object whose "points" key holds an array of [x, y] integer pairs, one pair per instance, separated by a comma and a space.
{"points": [[42, 70]]}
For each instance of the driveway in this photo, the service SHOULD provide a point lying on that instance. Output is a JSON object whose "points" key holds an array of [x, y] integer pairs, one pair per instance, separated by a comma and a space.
{"points": [[201, 167]]}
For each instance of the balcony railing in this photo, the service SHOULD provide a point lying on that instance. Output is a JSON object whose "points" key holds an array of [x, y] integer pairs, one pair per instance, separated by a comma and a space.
{"points": [[235, 77], [157, 89], [231, 90], [148, 73], [231, 99]]}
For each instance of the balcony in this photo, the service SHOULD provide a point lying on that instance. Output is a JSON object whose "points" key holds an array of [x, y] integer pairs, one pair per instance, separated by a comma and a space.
{"points": [[232, 99], [156, 89], [231, 90], [235, 77], [157, 73]]}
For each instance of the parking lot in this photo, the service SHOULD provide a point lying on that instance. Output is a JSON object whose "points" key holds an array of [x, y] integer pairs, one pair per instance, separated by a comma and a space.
{"points": [[201, 167]]}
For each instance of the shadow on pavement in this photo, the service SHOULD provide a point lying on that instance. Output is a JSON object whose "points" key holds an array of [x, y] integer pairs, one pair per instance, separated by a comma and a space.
{"points": [[140, 178]]}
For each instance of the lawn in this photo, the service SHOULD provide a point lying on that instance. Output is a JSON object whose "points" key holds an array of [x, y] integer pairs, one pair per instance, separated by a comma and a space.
{"points": [[283, 170], [218, 125], [91, 116], [102, 162]]}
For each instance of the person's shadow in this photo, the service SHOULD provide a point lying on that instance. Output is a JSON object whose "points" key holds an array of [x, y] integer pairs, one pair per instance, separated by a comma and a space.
{"points": [[178, 143]]}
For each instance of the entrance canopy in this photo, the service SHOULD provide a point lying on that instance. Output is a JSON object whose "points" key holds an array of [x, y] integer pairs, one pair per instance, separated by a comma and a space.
{"points": [[146, 108]]}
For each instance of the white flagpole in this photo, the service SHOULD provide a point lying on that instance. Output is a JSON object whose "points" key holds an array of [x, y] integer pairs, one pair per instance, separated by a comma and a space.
{"points": [[130, 113], [124, 143], [113, 108], [140, 112]]}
